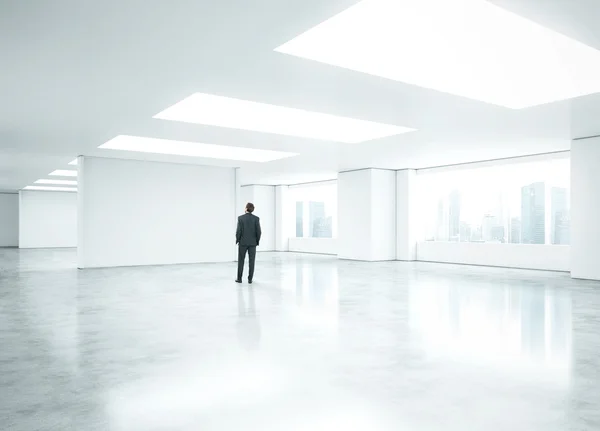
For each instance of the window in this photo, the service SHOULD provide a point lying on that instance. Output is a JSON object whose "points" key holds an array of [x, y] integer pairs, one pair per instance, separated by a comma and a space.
{"points": [[315, 209], [524, 202]]}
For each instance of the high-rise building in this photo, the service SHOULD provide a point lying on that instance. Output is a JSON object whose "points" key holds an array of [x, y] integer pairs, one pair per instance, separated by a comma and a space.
{"points": [[442, 233], [454, 216], [487, 227], [515, 230], [560, 217], [533, 214], [465, 231], [320, 226]]}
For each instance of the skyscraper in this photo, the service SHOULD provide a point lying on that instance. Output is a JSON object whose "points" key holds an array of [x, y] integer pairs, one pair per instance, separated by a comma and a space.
{"points": [[533, 214], [515, 230], [560, 217], [454, 216], [442, 224], [320, 225], [487, 226]]}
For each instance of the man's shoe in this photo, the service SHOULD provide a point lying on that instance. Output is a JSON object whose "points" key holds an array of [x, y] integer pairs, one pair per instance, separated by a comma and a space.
{"points": [[249, 281], [238, 281]]}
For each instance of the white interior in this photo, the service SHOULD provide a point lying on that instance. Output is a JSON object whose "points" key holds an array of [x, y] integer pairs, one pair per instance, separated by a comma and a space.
{"points": [[406, 215], [585, 213], [241, 116], [260, 117], [145, 213], [284, 218], [139, 144], [525, 256], [47, 219], [367, 215], [467, 39], [313, 245], [9, 219]]}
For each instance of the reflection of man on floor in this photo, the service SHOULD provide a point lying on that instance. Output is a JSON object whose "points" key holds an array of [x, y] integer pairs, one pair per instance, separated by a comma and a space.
{"points": [[248, 327]]}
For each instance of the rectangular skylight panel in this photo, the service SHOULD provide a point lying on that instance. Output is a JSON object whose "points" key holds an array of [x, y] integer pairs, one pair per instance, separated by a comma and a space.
{"points": [[51, 189], [57, 182], [232, 113], [192, 149], [469, 48], [63, 173]]}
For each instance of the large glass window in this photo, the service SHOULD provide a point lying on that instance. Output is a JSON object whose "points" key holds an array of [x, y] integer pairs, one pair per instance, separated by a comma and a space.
{"points": [[522, 202], [315, 209]]}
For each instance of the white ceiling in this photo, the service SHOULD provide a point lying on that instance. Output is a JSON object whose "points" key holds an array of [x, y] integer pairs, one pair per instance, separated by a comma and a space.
{"points": [[75, 74]]}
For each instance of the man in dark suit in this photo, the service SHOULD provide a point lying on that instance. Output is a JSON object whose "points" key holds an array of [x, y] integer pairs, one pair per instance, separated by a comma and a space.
{"points": [[247, 236]]}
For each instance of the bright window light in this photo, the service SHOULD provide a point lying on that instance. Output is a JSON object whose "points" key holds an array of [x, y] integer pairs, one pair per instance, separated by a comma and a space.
{"points": [[73, 162], [221, 111], [192, 149], [63, 173], [469, 48], [51, 189], [57, 182]]}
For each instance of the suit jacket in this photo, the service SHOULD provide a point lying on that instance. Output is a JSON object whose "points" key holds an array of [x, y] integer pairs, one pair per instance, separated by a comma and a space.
{"points": [[248, 230]]}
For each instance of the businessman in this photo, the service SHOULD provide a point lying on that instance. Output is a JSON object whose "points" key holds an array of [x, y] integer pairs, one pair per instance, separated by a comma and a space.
{"points": [[247, 236]]}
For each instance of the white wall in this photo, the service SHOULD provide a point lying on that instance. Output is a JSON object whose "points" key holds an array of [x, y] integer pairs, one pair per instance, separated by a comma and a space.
{"points": [[47, 219], [406, 215], [354, 215], [313, 245], [284, 219], [263, 198], [526, 256], [383, 214], [585, 209], [148, 213], [9, 220], [367, 215]]}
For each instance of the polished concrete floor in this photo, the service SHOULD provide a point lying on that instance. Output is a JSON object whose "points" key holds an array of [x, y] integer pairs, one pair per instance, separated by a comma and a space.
{"points": [[315, 344]]}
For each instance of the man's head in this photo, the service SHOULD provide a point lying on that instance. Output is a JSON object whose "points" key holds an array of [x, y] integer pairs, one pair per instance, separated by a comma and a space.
{"points": [[249, 207]]}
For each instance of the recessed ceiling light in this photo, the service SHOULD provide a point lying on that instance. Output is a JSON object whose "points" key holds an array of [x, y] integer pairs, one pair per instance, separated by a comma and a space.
{"points": [[73, 162], [51, 189], [192, 149], [63, 173], [221, 111], [469, 48], [57, 182]]}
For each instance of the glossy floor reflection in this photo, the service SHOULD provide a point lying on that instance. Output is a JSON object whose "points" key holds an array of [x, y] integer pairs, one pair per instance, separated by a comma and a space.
{"points": [[314, 344]]}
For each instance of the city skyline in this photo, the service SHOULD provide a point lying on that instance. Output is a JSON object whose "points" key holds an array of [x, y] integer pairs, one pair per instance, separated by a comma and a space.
{"points": [[543, 218]]}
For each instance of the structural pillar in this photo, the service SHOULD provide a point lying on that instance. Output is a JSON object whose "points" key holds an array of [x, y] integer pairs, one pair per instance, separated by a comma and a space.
{"points": [[585, 208], [284, 218], [367, 215], [406, 215]]}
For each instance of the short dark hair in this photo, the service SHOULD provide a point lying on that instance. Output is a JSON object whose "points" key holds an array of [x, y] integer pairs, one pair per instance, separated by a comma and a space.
{"points": [[250, 207]]}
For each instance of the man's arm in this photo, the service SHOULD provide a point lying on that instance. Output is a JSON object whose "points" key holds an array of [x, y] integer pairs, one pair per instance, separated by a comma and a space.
{"points": [[238, 232], [258, 231]]}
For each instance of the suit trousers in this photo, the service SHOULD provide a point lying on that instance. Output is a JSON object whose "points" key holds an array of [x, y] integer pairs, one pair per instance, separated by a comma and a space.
{"points": [[251, 250]]}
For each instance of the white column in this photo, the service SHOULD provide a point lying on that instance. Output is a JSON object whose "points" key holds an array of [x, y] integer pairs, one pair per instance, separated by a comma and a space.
{"points": [[263, 198], [81, 258], [238, 210], [284, 218], [367, 215], [585, 208], [406, 235]]}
